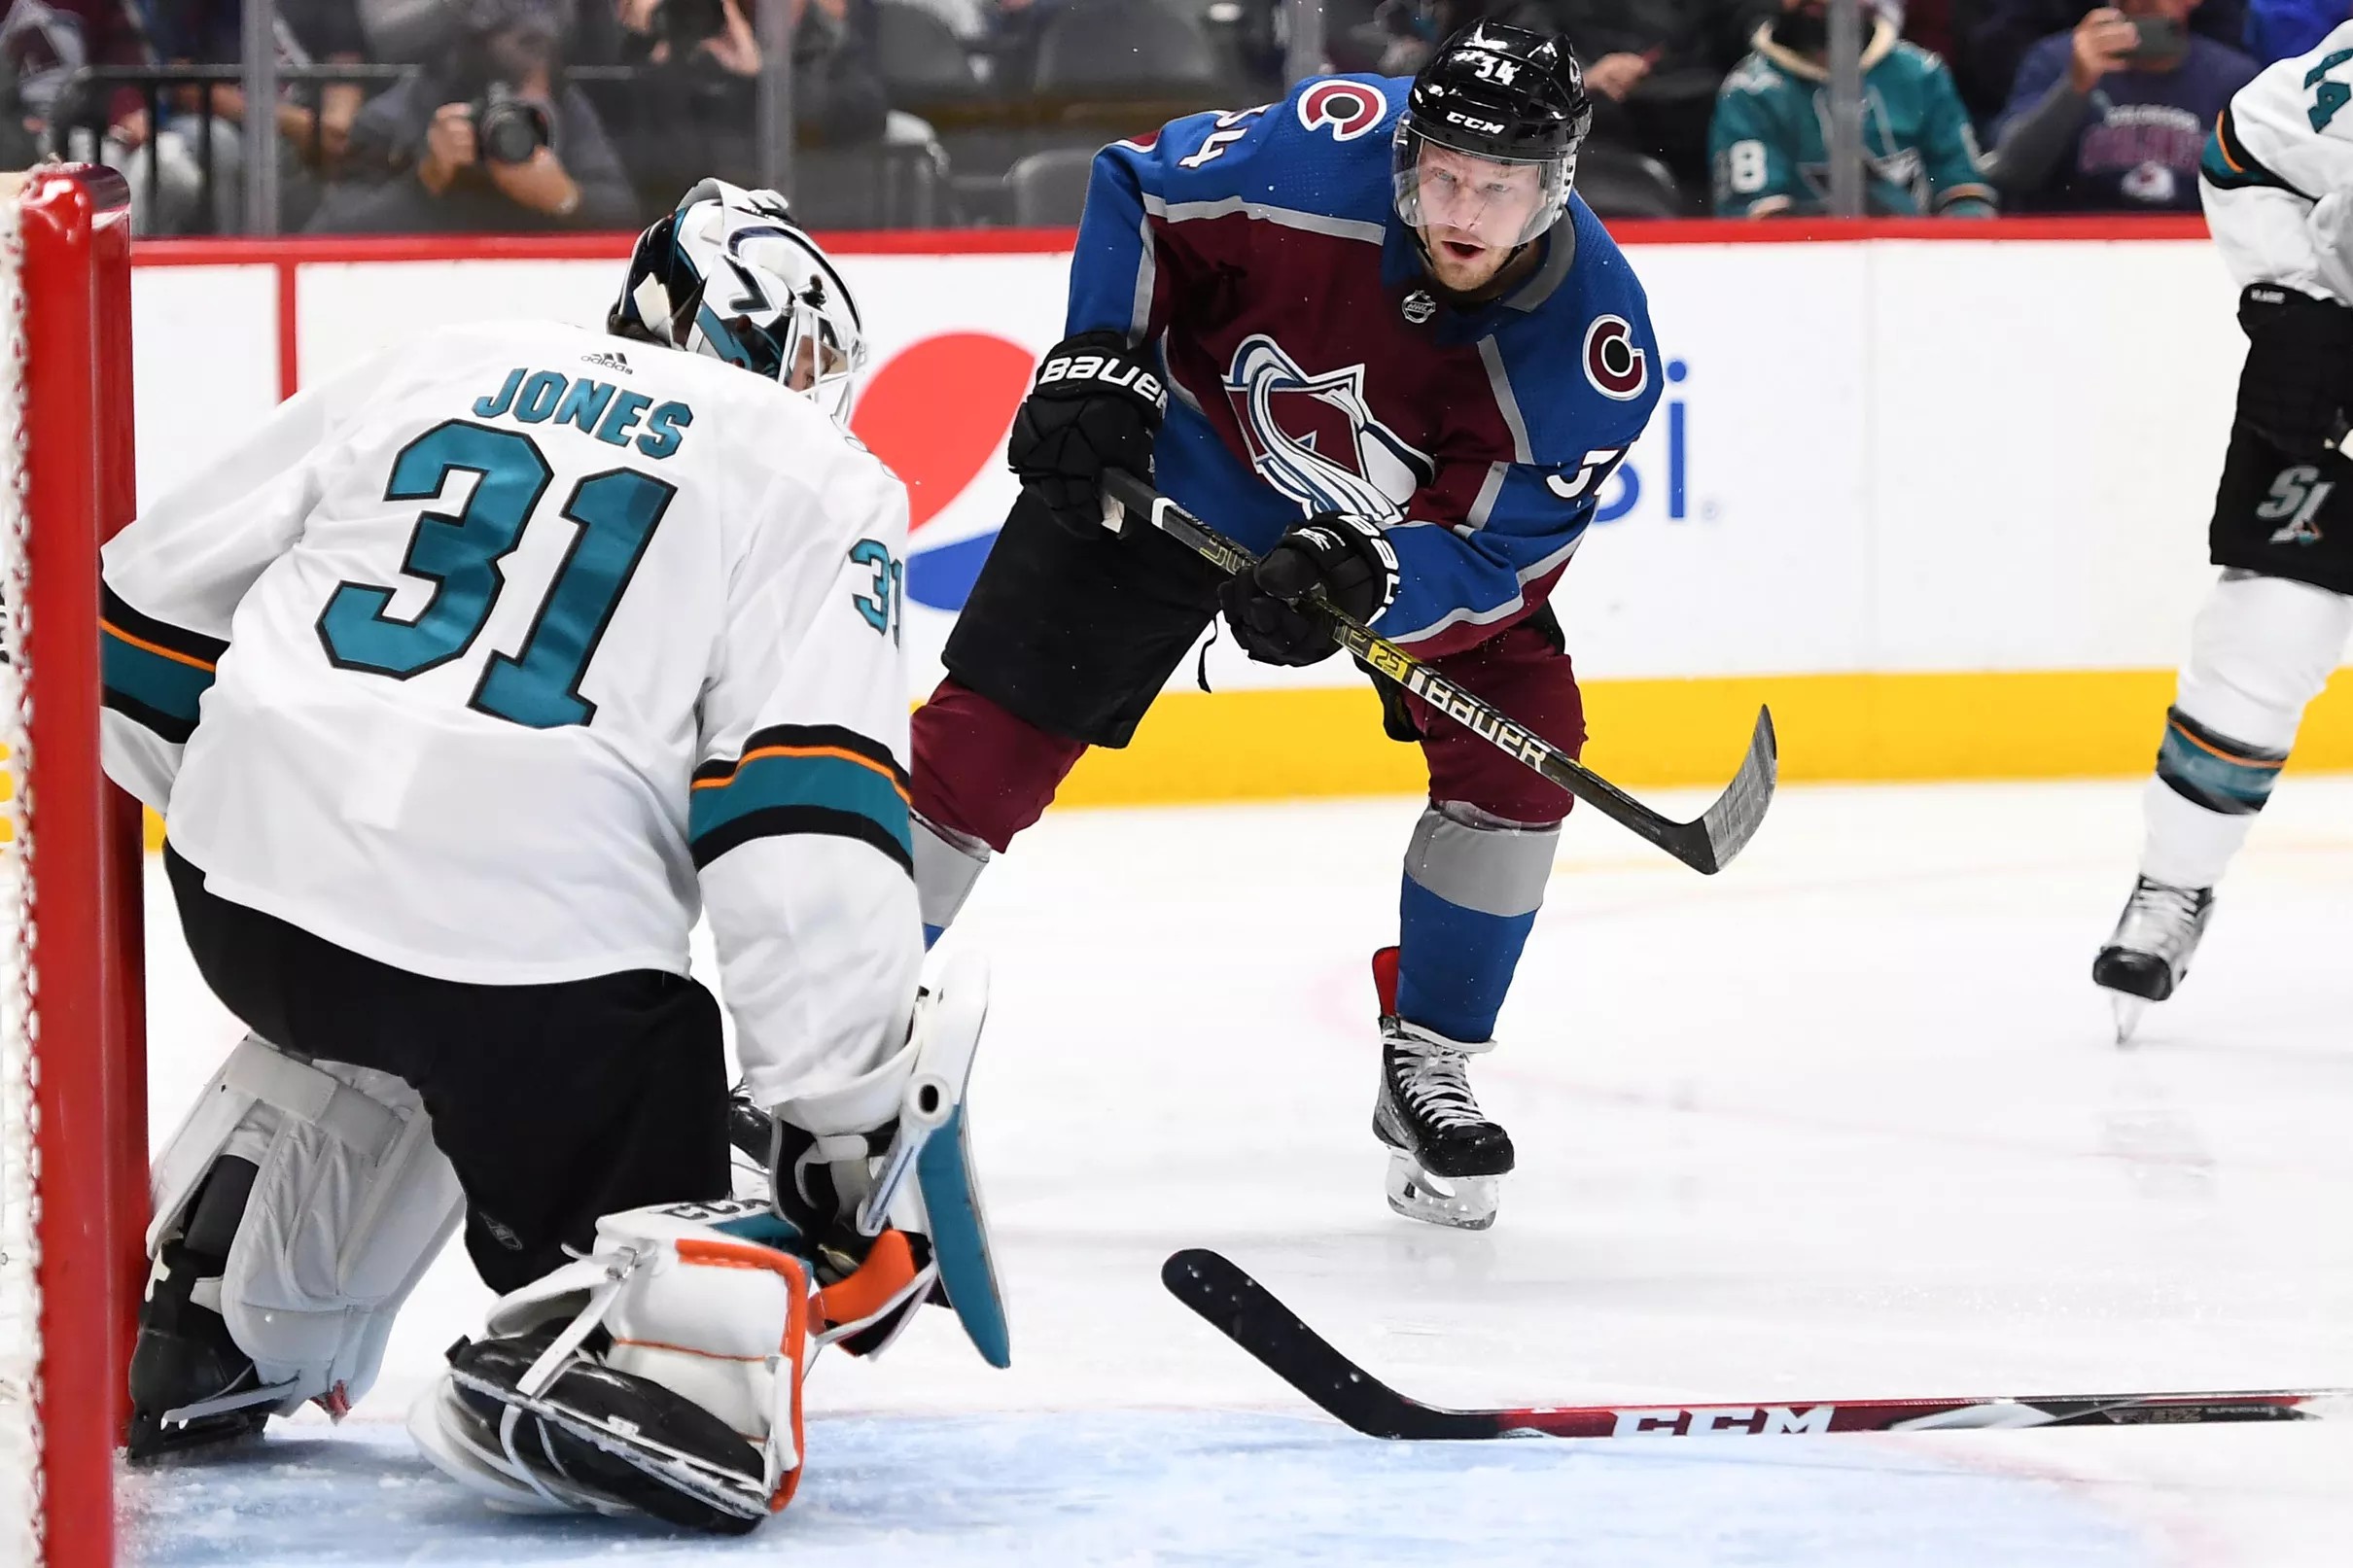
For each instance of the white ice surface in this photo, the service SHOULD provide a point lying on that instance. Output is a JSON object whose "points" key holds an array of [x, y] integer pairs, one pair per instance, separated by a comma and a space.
{"points": [[1843, 1121]]}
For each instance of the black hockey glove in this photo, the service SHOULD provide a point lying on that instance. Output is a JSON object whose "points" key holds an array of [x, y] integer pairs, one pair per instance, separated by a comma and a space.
{"points": [[2298, 383], [1345, 556], [1096, 405]]}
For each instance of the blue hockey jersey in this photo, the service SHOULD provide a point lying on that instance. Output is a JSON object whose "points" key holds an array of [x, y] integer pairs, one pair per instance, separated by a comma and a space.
{"points": [[1313, 368]]}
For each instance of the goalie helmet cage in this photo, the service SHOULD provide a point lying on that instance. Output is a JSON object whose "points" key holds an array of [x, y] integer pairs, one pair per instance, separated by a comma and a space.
{"points": [[72, 1117]]}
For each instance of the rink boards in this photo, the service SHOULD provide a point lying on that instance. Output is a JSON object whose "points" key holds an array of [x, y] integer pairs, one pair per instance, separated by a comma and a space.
{"points": [[1940, 499]]}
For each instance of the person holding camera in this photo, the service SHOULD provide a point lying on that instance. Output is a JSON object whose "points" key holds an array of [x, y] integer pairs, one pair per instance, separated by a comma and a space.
{"points": [[1991, 39], [697, 102], [486, 138], [2112, 115]]}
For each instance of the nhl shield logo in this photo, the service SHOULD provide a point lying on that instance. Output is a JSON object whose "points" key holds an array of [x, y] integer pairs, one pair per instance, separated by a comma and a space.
{"points": [[1418, 306]]}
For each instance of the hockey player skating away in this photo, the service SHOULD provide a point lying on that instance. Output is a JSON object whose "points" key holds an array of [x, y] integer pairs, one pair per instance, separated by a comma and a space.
{"points": [[2277, 182], [460, 684], [1370, 332]]}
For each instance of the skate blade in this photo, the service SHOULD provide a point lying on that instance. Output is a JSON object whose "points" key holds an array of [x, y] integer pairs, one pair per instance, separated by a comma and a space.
{"points": [[2129, 1010], [722, 1489], [1458, 1203]]}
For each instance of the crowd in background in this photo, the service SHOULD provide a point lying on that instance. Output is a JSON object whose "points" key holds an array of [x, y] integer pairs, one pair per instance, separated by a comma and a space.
{"points": [[421, 116]]}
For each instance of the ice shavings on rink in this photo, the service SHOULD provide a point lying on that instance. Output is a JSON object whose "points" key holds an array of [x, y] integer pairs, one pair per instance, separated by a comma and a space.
{"points": [[1166, 1487]]}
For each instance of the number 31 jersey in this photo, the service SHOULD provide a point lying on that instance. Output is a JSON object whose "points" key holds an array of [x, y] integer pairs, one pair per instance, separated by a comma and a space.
{"points": [[499, 657]]}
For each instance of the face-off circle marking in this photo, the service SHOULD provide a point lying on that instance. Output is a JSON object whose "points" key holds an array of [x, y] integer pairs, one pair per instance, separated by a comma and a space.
{"points": [[1348, 108], [1612, 364]]}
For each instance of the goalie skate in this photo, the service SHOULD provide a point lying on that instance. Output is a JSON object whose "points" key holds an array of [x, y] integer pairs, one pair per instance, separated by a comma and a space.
{"points": [[2148, 954], [1445, 1156]]}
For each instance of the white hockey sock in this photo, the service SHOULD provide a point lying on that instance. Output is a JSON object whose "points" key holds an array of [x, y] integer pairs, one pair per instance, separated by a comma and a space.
{"points": [[2261, 651]]}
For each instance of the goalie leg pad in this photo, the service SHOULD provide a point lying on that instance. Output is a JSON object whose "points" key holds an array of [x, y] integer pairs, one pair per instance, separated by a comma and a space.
{"points": [[661, 1375], [349, 1200]]}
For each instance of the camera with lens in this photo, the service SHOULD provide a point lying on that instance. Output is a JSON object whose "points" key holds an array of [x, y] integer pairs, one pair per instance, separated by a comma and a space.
{"points": [[509, 128], [685, 23]]}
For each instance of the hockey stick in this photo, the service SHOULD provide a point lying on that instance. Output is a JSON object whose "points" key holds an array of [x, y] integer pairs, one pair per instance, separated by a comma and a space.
{"points": [[1243, 1309], [1705, 845]]}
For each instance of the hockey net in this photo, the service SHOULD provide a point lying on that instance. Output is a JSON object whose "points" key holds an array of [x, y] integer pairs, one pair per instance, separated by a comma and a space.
{"points": [[72, 1095]]}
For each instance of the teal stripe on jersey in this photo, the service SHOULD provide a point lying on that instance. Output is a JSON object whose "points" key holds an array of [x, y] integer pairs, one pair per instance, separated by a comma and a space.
{"points": [[792, 785], [165, 688]]}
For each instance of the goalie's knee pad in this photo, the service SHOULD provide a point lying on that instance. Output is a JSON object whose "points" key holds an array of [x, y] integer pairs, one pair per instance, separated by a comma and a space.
{"points": [[296, 1207], [659, 1375], [2261, 651]]}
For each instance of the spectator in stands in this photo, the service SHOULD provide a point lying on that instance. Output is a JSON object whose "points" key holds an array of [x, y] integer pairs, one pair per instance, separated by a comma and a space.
{"points": [[1770, 132], [695, 111], [1011, 42], [45, 43], [485, 138], [314, 120], [2112, 117], [1991, 44], [1653, 68], [2282, 29]]}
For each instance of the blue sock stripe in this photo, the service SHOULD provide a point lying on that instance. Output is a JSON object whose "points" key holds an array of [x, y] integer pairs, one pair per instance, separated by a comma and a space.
{"points": [[1455, 964]]}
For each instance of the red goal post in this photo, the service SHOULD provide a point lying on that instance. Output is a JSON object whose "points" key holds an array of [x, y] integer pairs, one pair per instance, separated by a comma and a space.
{"points": [[73, 1201]]}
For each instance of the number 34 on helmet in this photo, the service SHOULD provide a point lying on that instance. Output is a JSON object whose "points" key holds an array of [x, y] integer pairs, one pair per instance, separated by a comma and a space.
{"points": [[729, 274]]}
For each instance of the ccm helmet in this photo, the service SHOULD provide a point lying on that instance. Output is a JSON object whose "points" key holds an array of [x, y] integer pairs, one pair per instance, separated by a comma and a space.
{"points": [[728, 274], [1507, 95]]}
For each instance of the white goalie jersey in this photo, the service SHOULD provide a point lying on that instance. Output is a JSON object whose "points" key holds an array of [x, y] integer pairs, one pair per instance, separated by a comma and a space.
{"points": [[499, 657], [2277, 175]]}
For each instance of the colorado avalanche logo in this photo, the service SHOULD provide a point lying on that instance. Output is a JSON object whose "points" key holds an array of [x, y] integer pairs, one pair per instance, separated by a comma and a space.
{"points": [[1612, 364], [1313, 438], [1350, 108]]}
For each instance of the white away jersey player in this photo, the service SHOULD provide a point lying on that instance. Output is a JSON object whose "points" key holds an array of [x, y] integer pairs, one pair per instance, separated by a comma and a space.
{"points": [[2277, 175], [497, 657]]}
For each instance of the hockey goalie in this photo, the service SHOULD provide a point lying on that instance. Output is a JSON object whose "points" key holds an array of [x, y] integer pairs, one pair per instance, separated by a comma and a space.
{"points": [[463, 685]]}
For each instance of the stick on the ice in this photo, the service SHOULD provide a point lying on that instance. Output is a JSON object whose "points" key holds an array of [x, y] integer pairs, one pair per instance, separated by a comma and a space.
{"points": [[1243, 1310], [1707, 845]]}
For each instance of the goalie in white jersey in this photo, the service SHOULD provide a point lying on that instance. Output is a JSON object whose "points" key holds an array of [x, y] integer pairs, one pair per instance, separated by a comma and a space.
{"points": [[461, 685], [2277, 184]]}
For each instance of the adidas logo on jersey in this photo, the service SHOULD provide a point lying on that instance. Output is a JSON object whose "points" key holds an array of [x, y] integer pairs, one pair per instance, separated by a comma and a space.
{"points": [[609, 360]]}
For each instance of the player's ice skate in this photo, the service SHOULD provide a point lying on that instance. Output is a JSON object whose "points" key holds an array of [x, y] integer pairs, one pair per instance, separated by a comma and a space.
{"points": [[2148, 954], [1445, 1156]]}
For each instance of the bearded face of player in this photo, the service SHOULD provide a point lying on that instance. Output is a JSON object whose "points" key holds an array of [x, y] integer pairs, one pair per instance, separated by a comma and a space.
{"points": [[1473, 213]]}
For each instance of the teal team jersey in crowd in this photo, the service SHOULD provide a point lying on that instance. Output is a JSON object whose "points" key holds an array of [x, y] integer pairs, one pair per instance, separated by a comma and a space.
{"points": [[1768, 141]]}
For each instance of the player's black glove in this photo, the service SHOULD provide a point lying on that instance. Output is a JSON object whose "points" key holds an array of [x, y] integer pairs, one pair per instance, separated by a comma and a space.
{"points": [[1345, 556], [2298, 383], [1096, 405]]}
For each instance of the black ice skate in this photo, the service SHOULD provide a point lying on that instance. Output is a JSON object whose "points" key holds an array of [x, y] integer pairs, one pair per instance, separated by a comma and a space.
{"points": [[1445, 1155], [2148, 954]]}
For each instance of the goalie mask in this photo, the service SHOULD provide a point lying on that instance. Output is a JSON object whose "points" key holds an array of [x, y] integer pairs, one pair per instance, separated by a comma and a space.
{"points": [[729, 274]]}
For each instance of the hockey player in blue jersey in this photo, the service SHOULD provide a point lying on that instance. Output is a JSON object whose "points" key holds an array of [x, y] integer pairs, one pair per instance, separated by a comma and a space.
{"points": [[1371, 332]]}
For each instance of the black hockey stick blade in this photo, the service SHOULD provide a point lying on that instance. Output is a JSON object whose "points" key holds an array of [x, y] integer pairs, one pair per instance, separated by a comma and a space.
{"points": [[1707, 844], [1245, 1313], [1249, 1314]]}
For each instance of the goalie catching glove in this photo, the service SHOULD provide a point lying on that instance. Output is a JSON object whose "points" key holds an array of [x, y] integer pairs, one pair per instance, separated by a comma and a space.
{"points": [[1346, 557]]}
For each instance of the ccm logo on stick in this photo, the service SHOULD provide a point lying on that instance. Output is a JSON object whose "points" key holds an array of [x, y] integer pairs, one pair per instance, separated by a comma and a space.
{"points": [[1744, 1420]]}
